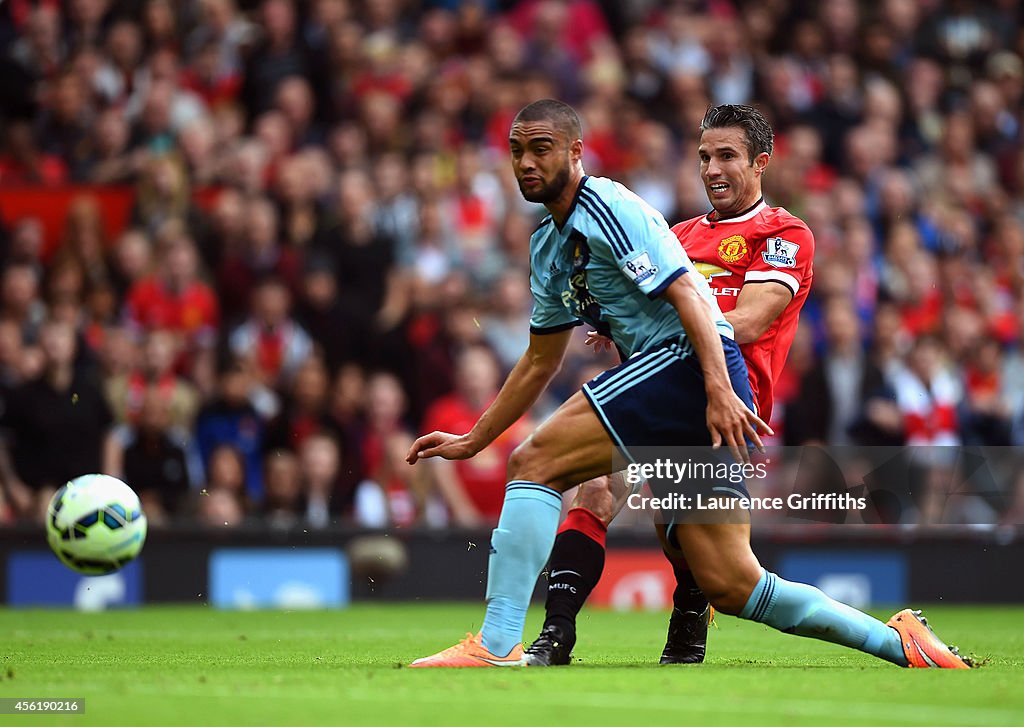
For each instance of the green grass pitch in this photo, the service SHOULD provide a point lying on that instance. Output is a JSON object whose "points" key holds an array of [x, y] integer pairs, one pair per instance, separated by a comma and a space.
{"points": [[196, 666]]}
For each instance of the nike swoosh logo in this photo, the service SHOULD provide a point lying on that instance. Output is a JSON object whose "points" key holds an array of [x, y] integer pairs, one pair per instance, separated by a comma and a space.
{"points": [[556, 573], [498, 662], [930, 661]]}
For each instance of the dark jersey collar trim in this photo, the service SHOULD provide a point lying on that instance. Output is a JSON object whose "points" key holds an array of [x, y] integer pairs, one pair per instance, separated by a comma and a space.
{"points": [[747, 211], [572, 207]]}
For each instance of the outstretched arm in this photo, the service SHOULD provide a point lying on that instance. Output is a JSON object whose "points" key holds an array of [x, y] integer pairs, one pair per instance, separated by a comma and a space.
{"points": [[521, 389]]}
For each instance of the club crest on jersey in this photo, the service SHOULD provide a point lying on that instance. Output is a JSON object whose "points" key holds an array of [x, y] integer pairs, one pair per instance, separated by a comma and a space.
{"points": [[639, 269], [732, 248], [780, 253]]}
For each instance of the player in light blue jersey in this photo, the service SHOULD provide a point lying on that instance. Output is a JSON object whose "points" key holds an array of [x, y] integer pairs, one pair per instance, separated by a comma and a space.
{"points": [[607, 258], [611, 279]]}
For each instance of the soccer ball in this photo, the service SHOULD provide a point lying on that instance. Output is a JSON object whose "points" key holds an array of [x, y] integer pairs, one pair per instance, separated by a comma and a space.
{"points": [[95, 524]]}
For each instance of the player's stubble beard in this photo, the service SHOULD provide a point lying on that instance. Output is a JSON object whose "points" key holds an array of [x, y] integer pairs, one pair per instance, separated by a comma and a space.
{"points": [[550, 191]]}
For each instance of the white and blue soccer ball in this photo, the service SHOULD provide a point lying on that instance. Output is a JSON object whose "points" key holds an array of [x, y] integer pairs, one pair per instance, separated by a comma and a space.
{"points": [[95, 524]]}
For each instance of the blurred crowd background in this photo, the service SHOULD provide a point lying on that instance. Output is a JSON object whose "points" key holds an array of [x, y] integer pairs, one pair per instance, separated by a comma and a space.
{"points": [[324, 251]]}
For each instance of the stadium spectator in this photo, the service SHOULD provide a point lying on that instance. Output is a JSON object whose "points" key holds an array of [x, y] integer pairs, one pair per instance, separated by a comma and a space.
{"points": [[163, 195], [121, 76], [361, 254], [223, 28], [24, 163], [506, 325], [319, 462], [6, 512], [209, 78], [16, 365], [345, 410], [26, 242], [159, 25], [40, 51], [66, 119], [844, 397], [391, 495], [305, 411], [155, 455], [927, 395], [296, 195], [225, 471], [119, 353], [282, 506], [338, 333], [54, 425], [84, 244], [220, 509], [653, 173], [294, 99], [109, 159], [277, 344], [19, 299], [232, 419], [434, 253], [87, 22], [397, 213], [985, 415], [278, 54], [130, 260], [474, 489], [474, 208], [173, 296], [223, 229], [260, 256], [155, 376], [223, 500]]}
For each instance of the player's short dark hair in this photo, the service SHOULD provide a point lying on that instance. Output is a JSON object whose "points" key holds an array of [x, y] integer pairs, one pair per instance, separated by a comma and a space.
{"points": [[562, 115], [760, 137]]}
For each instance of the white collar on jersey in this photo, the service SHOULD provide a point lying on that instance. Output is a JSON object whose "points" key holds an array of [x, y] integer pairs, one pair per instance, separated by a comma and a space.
{"points": [[749, 214]]}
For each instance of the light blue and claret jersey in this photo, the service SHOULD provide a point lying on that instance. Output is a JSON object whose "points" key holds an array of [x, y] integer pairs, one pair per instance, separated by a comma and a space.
{"points": [[607, 266]]}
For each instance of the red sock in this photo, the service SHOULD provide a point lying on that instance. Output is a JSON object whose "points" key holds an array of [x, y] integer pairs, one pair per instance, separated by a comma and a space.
{"points": [[586, 522]]}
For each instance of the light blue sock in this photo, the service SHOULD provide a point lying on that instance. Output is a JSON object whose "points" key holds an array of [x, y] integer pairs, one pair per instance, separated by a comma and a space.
{"points": [[796, 608], [520, 547]]}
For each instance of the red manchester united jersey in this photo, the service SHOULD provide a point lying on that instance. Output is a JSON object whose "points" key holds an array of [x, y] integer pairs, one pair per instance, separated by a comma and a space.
{"points": [[766, 245]]}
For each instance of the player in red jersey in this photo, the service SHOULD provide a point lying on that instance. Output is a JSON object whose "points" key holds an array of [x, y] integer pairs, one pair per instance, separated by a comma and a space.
{"points": [[757, 260], [758, 264]]}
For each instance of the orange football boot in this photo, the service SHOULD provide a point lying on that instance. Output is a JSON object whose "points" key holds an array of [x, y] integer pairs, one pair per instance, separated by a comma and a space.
{"points": [[921, 646], [470, 652]]}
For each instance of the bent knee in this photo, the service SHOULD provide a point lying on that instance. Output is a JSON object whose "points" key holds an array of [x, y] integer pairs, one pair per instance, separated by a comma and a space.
{"points": [[728, 599], [533, 462], [727, 592], [530, 463], [522, 462]]}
